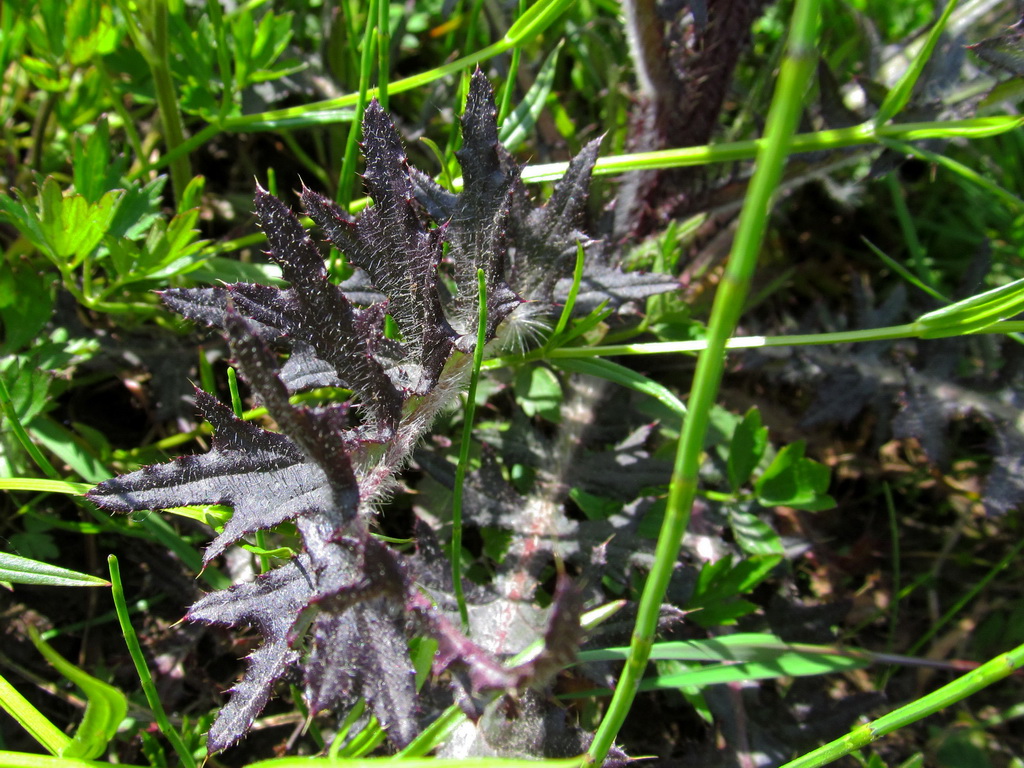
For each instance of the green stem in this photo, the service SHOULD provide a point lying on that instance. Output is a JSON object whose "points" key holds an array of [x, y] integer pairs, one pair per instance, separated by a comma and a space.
{"points": [[510, 81], [783, 115], [987, 674], [167, 99], [467, 437], [348, 165], [735, 151], [906, 331], [142, 669], [7, 405], [383, 52], [32, 720]]}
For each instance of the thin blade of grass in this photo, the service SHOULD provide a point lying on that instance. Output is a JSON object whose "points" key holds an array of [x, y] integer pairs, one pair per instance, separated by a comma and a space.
{"points": [[49, 736], [42, 485], [105, 705], [787, 665], [517, 127], [15, 569], [142, 668], [973, 313], [899, 95], [619, 374], [467, 436]]}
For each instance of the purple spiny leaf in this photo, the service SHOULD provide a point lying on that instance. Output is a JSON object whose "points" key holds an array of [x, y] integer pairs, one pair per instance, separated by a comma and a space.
{"points": [[480, 218], [388, 676], [263, 475], [324, 317], [391, 242], [357, 597], [272, 604], [546, 237], [263, 306], [438, 201], [319, 432]]}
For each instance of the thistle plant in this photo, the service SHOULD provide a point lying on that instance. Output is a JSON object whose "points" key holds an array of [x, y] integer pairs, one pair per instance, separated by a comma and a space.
{"points": [[329, 465]]}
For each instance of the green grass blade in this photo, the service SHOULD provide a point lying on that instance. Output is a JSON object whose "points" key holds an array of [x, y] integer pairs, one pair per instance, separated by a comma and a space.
{"points": [[467, 437], [427, 762], [52, 739], [7, 406], [15, 569], [992, 671], [570, 301], [903, 272], [619, 374], [40, 485], [974, 313], [899, 96], [142, 669], [25, 760], [105, 705], [517, 127], [785, 665]]}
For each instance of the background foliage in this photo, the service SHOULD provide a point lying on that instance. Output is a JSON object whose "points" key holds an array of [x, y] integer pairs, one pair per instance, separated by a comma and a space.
{"points": [[859, 482]]}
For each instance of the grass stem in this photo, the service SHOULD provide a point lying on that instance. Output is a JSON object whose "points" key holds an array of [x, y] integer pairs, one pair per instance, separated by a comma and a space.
{"points": [[467, 437], [142, 669], [797, 67]]}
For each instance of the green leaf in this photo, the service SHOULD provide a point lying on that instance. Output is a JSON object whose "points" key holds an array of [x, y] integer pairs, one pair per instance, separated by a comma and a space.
{"points": [[753, 535], [595, 507], [192, 197], [520, 122], [539, 392], [71, 227], [170, 249], [139, 208], [619, 374], [746, 448], [105, 707], [742, 656], [899, 96], [93, 172], [90, 31], [715, 600], [29, 386], [26, 303], [794, 481], [792, 665], [38, 727], [69, 447], [22, 570], [973, 313]]}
